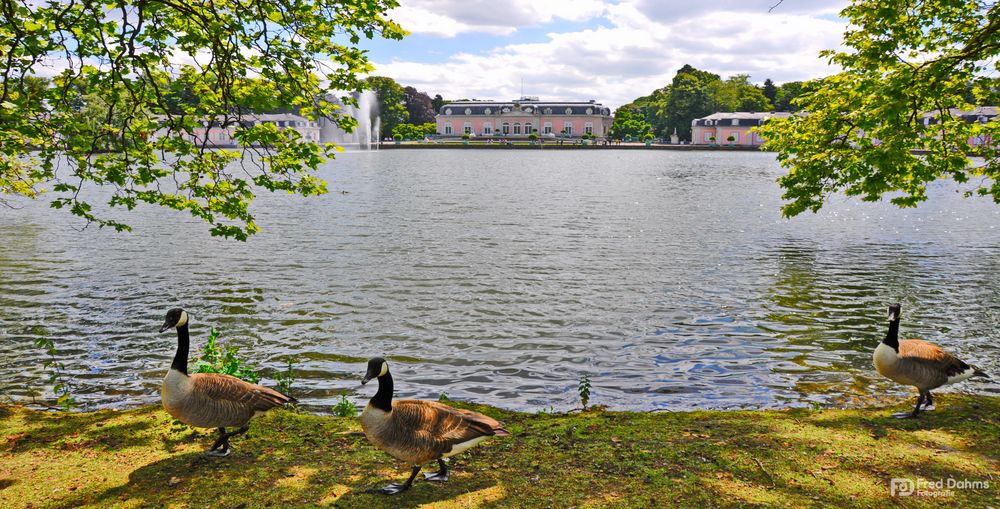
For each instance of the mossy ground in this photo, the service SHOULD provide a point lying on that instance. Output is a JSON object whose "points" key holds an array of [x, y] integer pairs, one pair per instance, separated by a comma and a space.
{"points": [[790, 458]]}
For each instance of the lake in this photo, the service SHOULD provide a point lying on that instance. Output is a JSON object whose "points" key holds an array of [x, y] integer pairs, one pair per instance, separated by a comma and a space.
{"points": [[503, 277]]}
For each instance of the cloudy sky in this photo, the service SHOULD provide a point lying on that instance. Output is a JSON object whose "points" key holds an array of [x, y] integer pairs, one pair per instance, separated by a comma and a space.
{"points": [[609, 50]]}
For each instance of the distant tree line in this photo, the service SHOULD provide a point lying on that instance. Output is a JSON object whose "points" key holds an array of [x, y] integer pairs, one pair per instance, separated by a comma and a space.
{"points": [[694, 93], [410, 113]]}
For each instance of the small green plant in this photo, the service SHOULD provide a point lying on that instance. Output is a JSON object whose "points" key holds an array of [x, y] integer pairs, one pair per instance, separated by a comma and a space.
{"points": [[344, 408], [286, 378], [466, 136], [61, 385], [533, 137], [216, 358], [443, 397], [584, 389], [397, 137]]}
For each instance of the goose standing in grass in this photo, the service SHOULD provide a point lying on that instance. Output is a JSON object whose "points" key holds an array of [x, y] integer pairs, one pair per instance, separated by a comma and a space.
{"points": [[211, 400], [417, 431], [918, 363]]}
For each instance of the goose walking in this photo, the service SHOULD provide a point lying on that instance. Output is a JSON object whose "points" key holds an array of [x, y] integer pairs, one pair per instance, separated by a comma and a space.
{"points": [[918, 363], [211, 400], [417, 431]]}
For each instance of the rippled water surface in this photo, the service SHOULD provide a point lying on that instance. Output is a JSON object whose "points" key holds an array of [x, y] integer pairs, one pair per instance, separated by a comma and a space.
{"points": [[669, 279]]}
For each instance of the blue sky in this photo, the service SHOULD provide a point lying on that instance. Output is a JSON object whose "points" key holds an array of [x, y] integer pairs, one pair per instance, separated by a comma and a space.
{"points": [[611, 51]]}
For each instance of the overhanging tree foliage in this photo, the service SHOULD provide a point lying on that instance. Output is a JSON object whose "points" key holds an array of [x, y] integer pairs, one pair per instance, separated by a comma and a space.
{"points": [[906, 76], [134, 82]]}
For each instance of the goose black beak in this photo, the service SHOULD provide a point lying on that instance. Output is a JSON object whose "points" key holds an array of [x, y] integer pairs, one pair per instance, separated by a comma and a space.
{"points": [[165, 327], [365, 380]]}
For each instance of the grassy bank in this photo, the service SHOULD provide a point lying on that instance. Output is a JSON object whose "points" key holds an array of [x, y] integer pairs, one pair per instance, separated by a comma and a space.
{"points": [[794, 458]]}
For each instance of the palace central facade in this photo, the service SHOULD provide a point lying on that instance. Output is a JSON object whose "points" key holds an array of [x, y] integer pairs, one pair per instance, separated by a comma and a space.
{"points": [[520, 118]]}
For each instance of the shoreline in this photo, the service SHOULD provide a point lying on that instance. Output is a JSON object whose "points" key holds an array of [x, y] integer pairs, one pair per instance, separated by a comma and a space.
{"points": [[519, 145], [595, 458]]}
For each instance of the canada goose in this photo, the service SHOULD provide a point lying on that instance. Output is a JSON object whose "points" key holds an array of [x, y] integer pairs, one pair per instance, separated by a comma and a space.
{"points": [[918, 363], [211, 400], [417, 431]]}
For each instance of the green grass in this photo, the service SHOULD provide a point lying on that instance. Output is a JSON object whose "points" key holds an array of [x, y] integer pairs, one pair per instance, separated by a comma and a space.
{"points": [[790, 458]]}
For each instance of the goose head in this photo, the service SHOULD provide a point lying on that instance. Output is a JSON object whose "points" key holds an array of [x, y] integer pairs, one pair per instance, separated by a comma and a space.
{"points": [[894, 312], [176, 317], [377, 367]]}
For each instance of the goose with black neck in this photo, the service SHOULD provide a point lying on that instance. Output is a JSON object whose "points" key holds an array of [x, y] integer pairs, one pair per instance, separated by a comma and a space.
{"points": [[211, 400], [919, 363], [419, 431]]}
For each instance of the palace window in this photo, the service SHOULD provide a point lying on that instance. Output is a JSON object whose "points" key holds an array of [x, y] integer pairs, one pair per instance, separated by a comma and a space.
{"points": [[548, 128], [467, 128], [527, 128], [488, 128], [568, 128], [588, 128], [708, 136], [517, 128], [506, 128], [447, 127], [735, 135]]}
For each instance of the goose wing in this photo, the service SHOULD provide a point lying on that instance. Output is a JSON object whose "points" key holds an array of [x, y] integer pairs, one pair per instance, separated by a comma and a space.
{"points": [[440, 427], [232, 390], [928, 362]]}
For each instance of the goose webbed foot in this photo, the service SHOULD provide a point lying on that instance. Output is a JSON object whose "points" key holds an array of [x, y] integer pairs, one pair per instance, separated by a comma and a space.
{"points": [[395, 487], [439, 476], [391, 489], [928, 404], [221, 448], [916, 410]]}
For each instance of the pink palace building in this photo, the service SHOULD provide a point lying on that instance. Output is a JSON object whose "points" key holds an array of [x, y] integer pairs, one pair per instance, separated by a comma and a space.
{"points": [[518, 119], [737, 124]]}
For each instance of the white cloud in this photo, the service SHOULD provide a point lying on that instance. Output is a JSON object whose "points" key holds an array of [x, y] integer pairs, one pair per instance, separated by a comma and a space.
{"points": [[638, 53], [667, 10], [448, 18]]}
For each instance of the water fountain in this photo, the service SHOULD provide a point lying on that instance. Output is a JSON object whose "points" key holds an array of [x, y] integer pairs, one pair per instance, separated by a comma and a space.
{"points": [[367, 130]]}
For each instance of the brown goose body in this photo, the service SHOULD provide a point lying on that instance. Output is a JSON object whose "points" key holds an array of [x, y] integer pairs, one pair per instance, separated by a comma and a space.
{"points": [[209, 400], [418, 432], [918, 363], [921, 364]]}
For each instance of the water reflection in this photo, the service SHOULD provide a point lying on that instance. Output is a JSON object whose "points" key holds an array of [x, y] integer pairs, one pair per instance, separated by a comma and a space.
{"points": [[503, 277]]}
